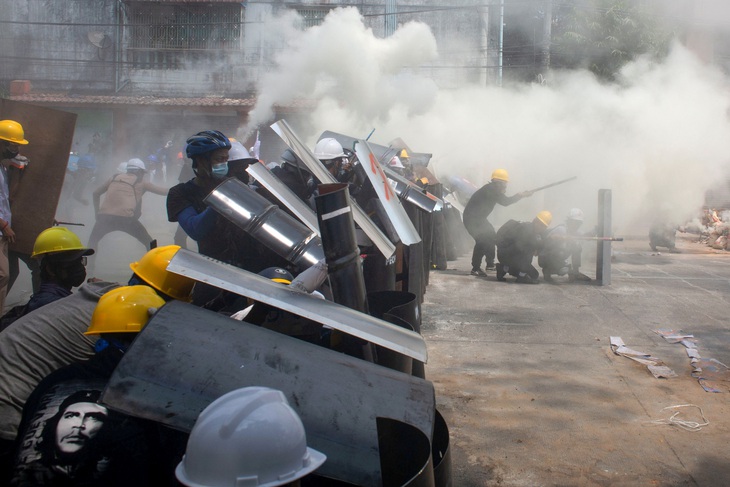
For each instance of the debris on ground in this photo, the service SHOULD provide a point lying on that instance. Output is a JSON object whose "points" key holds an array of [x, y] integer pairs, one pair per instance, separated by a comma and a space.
{"points": [[713, 375], [655, 365], [674, 420]]}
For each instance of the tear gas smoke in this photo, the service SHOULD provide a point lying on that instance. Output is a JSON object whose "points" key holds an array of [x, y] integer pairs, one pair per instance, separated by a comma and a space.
{"points": [[343, 61], [657, 139]]}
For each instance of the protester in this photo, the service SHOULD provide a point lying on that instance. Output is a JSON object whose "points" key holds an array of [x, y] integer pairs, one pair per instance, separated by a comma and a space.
{"points": [[53, 336], [84, 443], [62, 261], [217, 237], [330, 153], [517, 244], [663, 234], [559, 245], [478, 209], [122, 205], [296, 176], [12, 136]]}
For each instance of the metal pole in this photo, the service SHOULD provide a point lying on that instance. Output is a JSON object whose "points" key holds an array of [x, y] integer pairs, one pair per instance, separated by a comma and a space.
{"points": [[547, 35], [484, 41], [501, 39], [603, 247]]}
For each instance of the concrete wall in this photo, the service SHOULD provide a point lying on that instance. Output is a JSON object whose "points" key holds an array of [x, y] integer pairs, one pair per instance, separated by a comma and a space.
{"points": [[50, 46], [52, 51]]}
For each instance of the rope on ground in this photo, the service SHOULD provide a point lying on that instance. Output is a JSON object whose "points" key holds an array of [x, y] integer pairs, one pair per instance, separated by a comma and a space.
{"points": [[684, 424]]}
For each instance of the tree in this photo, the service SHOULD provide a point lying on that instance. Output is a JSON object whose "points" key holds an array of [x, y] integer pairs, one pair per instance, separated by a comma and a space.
{"points": [[605, 35]]}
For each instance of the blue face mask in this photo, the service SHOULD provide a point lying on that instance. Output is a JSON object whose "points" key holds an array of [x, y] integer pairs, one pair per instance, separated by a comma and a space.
{"points": [[219, 171]]}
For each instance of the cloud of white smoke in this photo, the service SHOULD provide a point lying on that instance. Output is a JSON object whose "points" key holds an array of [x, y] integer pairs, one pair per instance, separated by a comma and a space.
{"points": [[343, 61], [657, 139]]}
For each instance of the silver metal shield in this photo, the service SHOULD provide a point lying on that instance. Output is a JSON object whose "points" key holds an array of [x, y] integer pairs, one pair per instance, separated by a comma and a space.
{"points": [[280, 190], [186, 357], [265, 221], [244, 283], [397, 215], [413, 194], [404, 188], [320, 172]]}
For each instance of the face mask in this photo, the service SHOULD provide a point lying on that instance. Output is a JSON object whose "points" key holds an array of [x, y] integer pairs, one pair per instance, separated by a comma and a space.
{"points": [[10, 150], [219, 171], [74, 274]]}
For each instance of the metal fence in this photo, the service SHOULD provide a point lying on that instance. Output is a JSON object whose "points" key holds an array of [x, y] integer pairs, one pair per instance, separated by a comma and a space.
{"points": [[169, 36]]}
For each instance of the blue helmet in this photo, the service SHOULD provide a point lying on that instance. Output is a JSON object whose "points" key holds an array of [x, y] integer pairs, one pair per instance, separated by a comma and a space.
{"points": [[206, 141]]}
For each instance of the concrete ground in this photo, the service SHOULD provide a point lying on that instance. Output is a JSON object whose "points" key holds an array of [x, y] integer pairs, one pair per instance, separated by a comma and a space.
{"points": [[526, 380], [533, 395]]}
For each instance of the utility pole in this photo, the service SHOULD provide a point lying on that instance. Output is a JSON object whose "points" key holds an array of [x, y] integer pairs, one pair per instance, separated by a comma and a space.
{"points": [[547, 28], [501, 40], [484, 42]]}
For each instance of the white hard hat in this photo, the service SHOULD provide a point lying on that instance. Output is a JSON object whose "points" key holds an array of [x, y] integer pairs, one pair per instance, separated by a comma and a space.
{"points": [[327, 149], [575, 214], [237, 151], [395, 162], [136, 164], [250, 436]]}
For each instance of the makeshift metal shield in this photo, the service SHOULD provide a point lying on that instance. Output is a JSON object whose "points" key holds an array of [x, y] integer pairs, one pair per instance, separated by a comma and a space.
{"points": [[265, 221], [186, 357], [50, 133], [404, 188], [352, 322], [269, 181], [320, 172], [397, 215], [410, 192]]}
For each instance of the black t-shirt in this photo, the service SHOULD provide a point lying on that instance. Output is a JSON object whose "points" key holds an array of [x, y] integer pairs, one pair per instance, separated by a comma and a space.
{"points": [[110, 449]]}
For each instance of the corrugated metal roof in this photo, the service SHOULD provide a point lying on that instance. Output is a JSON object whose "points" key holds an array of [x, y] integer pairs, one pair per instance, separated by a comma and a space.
{"points": [[183, 1], [63, 98], [210, 101]]}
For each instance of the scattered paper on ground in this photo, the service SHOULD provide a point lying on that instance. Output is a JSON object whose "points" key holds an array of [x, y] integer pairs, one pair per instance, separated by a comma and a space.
{"points": [[713, 375], [655, 365]]}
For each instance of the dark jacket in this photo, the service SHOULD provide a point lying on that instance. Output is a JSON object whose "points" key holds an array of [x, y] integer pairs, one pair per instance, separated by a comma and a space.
{"points": [[482, 203], [518, 238], [48, 293]]}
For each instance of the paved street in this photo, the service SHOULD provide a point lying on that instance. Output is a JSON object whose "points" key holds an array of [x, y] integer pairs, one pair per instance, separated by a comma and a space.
{"points": [[533, 395], [526, 380]]}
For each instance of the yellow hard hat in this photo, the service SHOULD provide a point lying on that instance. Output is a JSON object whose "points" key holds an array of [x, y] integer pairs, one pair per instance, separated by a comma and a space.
{"points": [[58, 239], [124, 310], [545, 217], [152, 269], [12, 131], [404, 154], [501, 175]]}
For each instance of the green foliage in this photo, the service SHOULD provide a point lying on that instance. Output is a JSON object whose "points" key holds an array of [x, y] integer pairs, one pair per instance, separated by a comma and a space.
{"points": [[604, 35]]}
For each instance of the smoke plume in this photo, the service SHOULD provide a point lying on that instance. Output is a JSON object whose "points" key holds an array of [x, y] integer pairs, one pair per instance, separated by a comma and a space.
{"points": [[657, 138]]}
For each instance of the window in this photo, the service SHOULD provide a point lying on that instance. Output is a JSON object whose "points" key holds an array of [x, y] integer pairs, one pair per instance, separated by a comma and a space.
{"points": [[311, 17], [168, 35]]}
